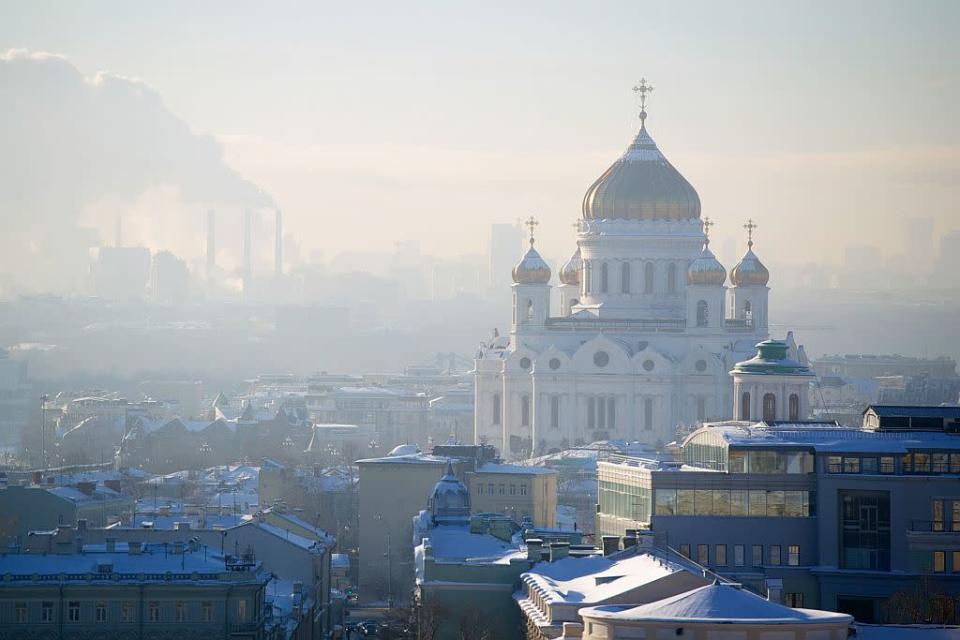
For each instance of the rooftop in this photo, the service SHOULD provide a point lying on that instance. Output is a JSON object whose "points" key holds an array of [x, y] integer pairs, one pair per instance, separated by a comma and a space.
{"points": [[494, 467], [717, 603]]}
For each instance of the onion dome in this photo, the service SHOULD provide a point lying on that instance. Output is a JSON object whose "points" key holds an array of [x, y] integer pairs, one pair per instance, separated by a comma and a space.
{"points": [[750, 271], [706, 269], [641, 185], [570, 271], [532, 269], [450, 500]]}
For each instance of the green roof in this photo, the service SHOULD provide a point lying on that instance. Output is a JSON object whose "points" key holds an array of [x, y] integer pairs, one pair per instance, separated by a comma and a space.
{"points": [[772, 359]]}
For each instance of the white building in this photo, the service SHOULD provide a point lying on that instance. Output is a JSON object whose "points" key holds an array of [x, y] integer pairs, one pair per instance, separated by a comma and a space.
{"points": [[647, 331]]}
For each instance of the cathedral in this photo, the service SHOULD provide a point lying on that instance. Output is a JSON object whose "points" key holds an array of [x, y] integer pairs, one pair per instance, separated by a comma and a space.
{"points": [[648, 329]]}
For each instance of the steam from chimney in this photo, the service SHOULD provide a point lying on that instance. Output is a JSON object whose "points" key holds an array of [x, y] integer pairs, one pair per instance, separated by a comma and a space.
{"points": [[247, 249], [278, 249]]}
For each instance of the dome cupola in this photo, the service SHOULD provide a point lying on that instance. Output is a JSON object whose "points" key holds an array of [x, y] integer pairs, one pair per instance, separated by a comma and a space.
{"points": [[750, 271], [532, 269], [570, 271], [450, 500], [641, 184], [706, 269]]}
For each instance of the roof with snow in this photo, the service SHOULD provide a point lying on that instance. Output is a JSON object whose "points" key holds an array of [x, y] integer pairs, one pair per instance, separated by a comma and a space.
{"points": [[494, 467], [717, 603]]}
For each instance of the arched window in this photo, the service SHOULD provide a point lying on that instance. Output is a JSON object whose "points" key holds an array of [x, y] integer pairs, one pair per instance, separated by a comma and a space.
{"points": [[703, 313], [591, 413], [747, 311], [672, 278], [496, 408], [794, 406], [554, 412], [525, 411], [745, 405], [529, 311], [648, 278], [625, 277], [769, 407], [604, 277]]}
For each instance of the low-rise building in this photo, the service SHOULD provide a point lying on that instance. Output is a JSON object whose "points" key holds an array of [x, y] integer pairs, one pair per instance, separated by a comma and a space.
{"points": [[34, 508], [110, 591], [515, 491]]}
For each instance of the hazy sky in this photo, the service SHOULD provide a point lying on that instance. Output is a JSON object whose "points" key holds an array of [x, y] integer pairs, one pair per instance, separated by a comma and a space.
{"points": [[830, 123]]}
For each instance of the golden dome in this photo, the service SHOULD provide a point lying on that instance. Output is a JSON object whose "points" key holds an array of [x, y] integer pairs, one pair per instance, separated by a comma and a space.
{"points": [[750, 271], [641, 185], [706, 269], [532, 269], [570, 271]]}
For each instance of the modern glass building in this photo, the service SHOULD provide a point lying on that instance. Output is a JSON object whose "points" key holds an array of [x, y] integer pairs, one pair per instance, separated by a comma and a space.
{"points": [[835, 517]]}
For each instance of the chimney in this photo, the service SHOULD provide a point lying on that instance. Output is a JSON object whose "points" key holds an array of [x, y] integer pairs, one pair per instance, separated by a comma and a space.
{"points": [[211, 242], [111, 545], [611, 544], [629, 541], [247, 250], [278, 248], [134, 547], [534, 549], [86, 488], [559, 550]]}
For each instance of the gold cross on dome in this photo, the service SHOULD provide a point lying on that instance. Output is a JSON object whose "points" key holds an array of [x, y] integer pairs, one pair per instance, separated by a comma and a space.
{"points": [[531, 223], [750, 226], [707, 223], [642, 89]]}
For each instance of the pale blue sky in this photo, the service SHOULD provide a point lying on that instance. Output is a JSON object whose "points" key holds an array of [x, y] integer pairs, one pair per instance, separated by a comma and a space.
{"points": [[371, 122]]}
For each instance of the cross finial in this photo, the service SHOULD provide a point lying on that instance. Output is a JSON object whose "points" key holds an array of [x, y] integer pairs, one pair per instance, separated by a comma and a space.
{"points": [[531, 223], [750, 226], [707, 223], [642, 89]]}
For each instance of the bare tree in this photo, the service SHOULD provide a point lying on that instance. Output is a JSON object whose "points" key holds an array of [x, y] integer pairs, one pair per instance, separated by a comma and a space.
{"points": [[927, 603]]}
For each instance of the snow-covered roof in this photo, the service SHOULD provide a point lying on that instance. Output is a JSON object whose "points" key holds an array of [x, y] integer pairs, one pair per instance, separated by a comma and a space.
{"points": [[717, 603], [455, 543], [494, 467], [827, 437], [417, 458], [154, 564], [596, 579]]}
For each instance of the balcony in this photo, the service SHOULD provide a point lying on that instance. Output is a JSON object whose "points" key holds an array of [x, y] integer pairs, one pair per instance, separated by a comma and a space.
{"points": [[934, 526]]}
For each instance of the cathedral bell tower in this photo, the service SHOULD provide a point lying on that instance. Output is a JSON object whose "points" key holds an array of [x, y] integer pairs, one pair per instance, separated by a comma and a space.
{"points": [[705, 290], [531, 288], [748, 296]]}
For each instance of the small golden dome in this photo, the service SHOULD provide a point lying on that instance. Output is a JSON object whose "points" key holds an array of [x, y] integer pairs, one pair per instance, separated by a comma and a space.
{"points": [[750, 271], [706, 269], [532, 269], [570, 271]]}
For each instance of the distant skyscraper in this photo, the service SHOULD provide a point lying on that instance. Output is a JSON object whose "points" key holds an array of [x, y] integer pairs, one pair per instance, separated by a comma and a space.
{"points": [[918, 241], [506, 240], [169, 278]]}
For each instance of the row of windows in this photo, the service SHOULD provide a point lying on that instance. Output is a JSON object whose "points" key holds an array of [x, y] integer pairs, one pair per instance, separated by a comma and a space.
{"points": [[770, 406], [649, 277], [630, 501], [939, 562], [735, 502], [920, 462], [861, 464], [601, 412], [155, 612], [501, 489], [940, 509], [774, 556]]}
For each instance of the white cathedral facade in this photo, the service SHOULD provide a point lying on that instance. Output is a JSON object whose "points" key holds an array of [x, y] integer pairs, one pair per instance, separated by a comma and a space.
{"points": [[648, 329]]}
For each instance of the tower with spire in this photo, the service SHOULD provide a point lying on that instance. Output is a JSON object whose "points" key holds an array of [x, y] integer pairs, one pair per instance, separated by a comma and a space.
{"points": [[531, 287], [748, 296]]}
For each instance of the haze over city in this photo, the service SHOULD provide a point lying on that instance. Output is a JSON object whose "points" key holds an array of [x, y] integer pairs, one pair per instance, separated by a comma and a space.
{"points": [[448, 321]]}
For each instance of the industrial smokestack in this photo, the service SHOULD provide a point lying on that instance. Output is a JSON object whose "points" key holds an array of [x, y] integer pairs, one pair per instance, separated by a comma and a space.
{"points": [[278, 248], [247, 249], [211, 242], [119, 231]]}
